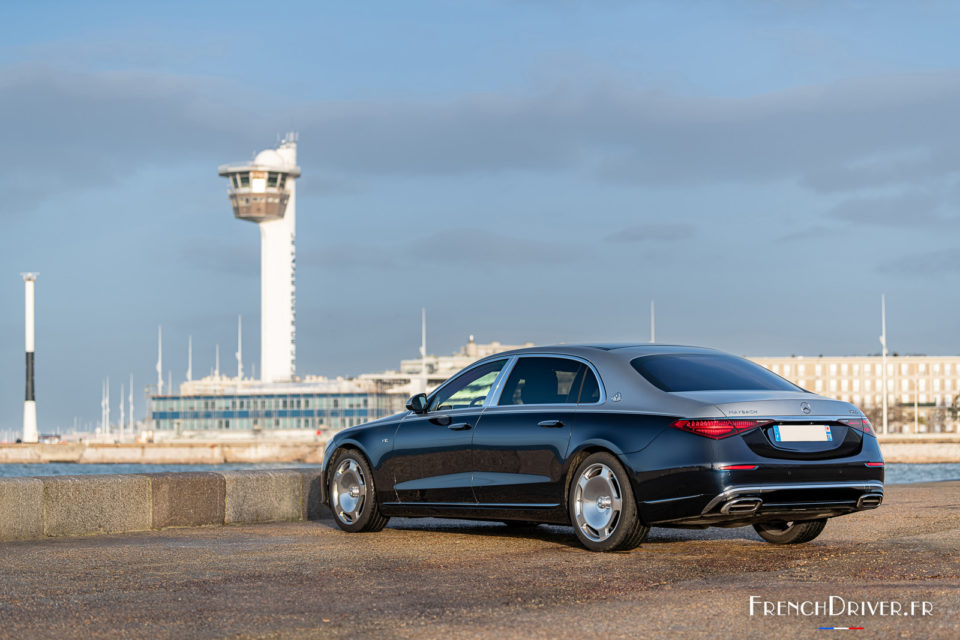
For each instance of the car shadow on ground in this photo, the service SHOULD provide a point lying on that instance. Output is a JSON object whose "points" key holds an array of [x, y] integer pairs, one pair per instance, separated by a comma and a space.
{"points": [[560, 534]]}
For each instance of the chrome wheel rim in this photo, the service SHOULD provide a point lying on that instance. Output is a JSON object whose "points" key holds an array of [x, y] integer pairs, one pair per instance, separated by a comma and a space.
{"points": [[597, 502], [349, 491]]}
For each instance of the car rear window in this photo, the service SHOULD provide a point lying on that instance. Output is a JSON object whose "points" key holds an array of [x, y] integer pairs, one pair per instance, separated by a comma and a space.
{"points": [[708, 372]]}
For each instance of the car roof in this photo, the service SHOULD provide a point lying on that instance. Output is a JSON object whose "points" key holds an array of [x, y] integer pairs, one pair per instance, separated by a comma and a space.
{"points": [[625, 350]]}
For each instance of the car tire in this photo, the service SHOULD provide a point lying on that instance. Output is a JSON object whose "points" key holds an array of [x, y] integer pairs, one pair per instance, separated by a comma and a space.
{"points": [[351, 493], [601, 505], [790, 533]]}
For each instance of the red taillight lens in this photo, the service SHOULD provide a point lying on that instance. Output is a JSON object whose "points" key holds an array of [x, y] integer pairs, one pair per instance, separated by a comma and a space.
{"points": [[860, 424], [717, 429], [874, 464], [738, 467]]}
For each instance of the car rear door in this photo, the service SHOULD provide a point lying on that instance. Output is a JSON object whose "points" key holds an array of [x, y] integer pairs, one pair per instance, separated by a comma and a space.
{"points": [[521, 443]]}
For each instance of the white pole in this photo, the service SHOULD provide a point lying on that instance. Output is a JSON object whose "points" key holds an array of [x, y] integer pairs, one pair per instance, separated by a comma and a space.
{"points": [[653, 323], [160, 360], [123, 422], [106, 410], [883, 358], [30, 433], [103, 399], [239, 350], [423, 349], [189, 358], [916, 398], [216, 366], [130, 401]]}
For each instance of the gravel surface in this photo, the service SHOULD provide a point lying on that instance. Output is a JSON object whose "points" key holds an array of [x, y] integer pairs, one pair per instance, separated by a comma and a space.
{"points": [[434, 578]]}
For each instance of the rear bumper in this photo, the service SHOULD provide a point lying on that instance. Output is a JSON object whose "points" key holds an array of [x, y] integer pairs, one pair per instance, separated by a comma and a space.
{"points": [[743, 504]]}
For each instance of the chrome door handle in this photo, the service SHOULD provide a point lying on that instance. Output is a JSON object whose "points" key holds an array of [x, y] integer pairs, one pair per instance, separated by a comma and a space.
{"points": [[459, 426], [553, 424]]}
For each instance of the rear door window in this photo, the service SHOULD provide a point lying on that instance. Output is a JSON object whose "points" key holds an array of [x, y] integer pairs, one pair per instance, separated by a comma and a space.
{"points": [[708, 372], [543, 380]]}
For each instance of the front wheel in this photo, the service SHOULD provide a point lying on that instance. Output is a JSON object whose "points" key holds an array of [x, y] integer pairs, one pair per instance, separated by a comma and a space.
{"points": [[602, 507], [780, 532], [352, 495]]}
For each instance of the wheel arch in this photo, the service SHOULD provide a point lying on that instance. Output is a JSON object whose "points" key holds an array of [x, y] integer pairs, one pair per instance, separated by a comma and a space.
{"points": [[581, 453], [346, 444]]}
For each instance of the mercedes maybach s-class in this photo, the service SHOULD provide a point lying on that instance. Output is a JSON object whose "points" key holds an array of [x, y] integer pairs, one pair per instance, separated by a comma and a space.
{"points": [[612, 439]]}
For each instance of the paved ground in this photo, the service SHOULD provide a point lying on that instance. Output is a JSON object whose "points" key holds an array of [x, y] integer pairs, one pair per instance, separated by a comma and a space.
{"points": [[431, 578]]}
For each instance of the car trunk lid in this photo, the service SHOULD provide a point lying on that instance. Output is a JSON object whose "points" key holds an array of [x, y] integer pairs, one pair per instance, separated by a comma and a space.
{"points": [[802, 425]]}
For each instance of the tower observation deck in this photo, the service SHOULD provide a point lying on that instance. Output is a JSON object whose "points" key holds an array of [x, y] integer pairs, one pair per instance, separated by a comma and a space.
{"points": [[264, 191]]}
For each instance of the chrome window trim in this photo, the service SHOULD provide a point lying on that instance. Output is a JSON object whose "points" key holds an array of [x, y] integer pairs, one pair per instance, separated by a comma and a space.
{"points": [[603, 392], [464, 371]]}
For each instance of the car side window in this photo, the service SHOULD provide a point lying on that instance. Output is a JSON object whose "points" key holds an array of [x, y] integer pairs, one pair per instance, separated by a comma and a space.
{"points": [[545, 380], [590, 391], [468, 390]]}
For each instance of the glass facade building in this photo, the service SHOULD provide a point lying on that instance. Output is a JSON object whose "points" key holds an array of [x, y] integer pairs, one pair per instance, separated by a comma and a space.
{"points": [[271, 411]]}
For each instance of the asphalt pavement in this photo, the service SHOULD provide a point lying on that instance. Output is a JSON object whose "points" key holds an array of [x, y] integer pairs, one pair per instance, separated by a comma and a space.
{"points": [[453, 579]]}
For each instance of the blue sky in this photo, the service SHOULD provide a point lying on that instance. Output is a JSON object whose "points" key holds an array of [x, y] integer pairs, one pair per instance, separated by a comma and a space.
{"points": [[526, 170]]}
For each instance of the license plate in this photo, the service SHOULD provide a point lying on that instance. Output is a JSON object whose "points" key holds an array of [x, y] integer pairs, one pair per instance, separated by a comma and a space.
{"points": [[802, 433]]}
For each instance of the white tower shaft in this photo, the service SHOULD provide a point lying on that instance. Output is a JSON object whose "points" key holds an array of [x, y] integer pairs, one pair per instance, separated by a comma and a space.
{"points": [[30, 402], [277, 286]]}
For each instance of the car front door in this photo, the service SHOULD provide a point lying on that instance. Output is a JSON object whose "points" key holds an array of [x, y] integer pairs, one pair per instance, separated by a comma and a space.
{"points": [[432, 457], [521, 443]]}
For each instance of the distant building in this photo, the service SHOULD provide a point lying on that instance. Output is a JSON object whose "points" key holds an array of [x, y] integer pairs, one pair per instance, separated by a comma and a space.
{"points": [[931, 383], [225, 404]]}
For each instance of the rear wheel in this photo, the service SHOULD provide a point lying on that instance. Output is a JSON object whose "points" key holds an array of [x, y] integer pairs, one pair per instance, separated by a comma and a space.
{"points": [[781, 532], [602, 508], [352, 494]]}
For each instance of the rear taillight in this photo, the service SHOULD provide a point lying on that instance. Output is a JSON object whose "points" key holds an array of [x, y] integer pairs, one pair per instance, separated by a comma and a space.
{"points": [[717, 429], [874, 464], [860, 424]]}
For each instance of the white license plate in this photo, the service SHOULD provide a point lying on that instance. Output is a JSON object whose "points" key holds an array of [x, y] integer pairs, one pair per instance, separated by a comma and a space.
{"points": [[802, 433]]}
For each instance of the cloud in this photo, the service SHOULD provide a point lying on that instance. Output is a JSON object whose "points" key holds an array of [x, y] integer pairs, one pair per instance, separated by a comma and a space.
{"points": [[76, 130], [650, 232], [452, 248], [818, 231], [909, 209], [231, 259], [87, 128], [927, 263]]}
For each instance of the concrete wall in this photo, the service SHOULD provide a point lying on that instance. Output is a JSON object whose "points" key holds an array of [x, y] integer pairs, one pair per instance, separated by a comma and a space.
{"points": [[164, 453], [33, 508]]}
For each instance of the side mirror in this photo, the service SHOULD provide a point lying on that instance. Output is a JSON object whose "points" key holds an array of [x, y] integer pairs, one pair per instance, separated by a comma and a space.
{"points": [[418, 403]]}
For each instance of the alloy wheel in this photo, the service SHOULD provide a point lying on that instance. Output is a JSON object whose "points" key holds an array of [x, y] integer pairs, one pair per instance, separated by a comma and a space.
{"points": [[598, 502]]}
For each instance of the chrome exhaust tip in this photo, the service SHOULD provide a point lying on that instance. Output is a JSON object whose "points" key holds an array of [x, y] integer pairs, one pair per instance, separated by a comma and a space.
{"points": [[870, 501], [741, 506]]}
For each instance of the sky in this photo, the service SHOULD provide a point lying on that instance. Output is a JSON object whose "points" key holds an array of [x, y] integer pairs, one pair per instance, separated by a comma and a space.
{"points": [[524, 169]]}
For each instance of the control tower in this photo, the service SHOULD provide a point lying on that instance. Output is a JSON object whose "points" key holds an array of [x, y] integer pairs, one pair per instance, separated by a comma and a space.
{"points": [[264, 191]]}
